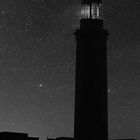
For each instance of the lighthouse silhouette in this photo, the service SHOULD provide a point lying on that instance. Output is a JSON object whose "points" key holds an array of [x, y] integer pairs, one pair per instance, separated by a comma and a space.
{"points": [[91, 117]]}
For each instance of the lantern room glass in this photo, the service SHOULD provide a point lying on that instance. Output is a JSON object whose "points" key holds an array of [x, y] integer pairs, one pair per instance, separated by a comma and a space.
{"points": [[93, 11]]}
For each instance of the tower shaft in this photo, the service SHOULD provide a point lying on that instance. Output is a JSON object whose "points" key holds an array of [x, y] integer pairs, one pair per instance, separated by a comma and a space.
{"points": [[91, 117]]}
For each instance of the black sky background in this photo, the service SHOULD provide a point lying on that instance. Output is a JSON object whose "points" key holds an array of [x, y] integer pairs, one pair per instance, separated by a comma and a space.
{"points": [[37, 66]]}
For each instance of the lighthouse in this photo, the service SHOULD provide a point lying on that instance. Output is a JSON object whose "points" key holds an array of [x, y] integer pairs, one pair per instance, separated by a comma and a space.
{"points": [[91, 116]]}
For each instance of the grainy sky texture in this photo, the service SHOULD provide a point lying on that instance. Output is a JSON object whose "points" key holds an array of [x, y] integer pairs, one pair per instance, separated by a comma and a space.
{"points": [[37, 66]]}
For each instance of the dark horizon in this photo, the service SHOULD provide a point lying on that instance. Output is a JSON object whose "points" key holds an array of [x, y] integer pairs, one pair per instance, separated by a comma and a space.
{"points": [[25, 136]]}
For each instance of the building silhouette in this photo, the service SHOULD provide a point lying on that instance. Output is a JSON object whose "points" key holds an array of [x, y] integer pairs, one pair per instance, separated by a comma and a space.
{"points": [[15, 136], [122, 139], [61, 138]]}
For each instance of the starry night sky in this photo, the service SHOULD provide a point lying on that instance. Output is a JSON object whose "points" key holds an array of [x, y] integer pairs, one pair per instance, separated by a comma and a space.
{"points": [[37, 66]]}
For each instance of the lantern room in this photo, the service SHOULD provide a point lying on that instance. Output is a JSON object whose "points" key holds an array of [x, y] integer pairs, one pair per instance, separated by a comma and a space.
{"points": [[91, 10]]}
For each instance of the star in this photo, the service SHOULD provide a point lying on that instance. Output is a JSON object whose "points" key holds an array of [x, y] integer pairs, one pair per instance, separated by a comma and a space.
{"points": [[119, 127], [3, 12], [40, 85], [109, 90]]}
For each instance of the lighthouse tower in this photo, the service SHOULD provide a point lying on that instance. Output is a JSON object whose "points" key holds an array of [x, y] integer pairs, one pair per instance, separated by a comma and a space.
{"points": [[91, 119]]}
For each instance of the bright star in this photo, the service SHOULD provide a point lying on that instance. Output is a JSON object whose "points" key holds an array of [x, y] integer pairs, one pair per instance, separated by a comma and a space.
{"points": [[40, 85]]}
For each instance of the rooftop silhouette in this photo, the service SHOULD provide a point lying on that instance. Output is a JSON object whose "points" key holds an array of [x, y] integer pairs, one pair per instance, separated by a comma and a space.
{"points": [[122, 139], [61, 138], [16, 136]]}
